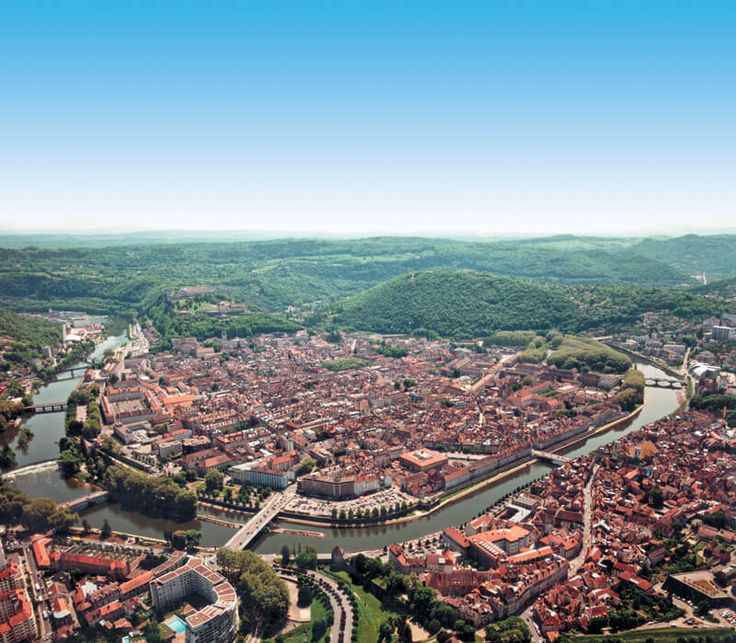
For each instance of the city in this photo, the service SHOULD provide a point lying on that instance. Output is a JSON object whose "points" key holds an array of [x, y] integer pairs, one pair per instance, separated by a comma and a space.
{"points": [[367, 321]]}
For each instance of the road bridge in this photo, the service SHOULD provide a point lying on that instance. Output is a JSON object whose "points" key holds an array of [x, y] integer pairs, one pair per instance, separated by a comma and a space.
{"points": [[95, 498], [663, 382], [250, 530], [554, 458], [49, 407]]}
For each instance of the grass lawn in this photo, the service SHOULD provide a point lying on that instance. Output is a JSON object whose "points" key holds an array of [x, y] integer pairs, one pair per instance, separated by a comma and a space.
{"points": [[370, 611], [663, 634]]}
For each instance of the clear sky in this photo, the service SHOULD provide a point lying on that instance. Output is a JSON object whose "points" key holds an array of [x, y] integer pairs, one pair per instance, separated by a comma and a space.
{"points": [[349, 116]]}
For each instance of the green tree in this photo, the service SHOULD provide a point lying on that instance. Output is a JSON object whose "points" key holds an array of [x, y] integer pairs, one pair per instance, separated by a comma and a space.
{"points": [[285, 555], [193, 538], [213, 481], [307, 558]]}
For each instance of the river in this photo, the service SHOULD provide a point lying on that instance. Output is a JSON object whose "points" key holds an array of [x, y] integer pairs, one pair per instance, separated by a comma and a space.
{"points": [[47, 481]]}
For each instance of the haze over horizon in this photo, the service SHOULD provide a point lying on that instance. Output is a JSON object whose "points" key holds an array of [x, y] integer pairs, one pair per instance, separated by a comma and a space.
{"points": [[524, 118]]}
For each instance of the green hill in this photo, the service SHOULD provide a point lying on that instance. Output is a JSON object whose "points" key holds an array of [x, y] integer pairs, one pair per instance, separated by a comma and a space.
{"points": [[22, 338], [458, 303], [28, 330], [270, 275], [691, 253]]}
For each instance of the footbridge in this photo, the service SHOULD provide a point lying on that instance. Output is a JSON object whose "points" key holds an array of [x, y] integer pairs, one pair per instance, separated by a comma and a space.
{"points": [[554, 458], [250, 530]]}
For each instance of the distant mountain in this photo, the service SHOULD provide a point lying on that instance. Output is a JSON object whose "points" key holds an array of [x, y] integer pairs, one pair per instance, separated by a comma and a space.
{"points": [[271, 275], [713, 254]]}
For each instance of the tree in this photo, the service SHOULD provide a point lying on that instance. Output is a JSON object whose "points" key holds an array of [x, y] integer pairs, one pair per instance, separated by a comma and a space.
{"points": [[285, 555], [265, 596], [106, 530], [386, 631], [318, 630], [179, 540], [85, 526], [41, 514], [152, 632], [304, 596], [306, 466], [69, 462], [214, 480], [307, 558], [193, 538], [655, 498]]}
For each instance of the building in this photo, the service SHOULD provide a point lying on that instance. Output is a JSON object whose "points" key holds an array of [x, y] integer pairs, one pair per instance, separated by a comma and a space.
{"points": [[721, 333], [339, 486], [216, 621], [17, 622], [423, 460], [246, 473], [699, 586], [77, 558]]}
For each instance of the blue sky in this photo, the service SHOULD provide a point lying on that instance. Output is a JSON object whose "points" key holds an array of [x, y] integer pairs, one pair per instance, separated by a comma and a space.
{"points": [[422, 116]]}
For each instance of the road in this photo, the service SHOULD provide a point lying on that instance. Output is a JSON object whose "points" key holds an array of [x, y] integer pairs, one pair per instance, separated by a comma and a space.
{"points": [[342, 609], [34, 577], [526, 615], [271, 508], [576, 562]]}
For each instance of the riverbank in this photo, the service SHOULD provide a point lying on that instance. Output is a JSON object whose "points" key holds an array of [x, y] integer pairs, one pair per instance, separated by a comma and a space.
{"points": [[462, 494], [217, 526]]}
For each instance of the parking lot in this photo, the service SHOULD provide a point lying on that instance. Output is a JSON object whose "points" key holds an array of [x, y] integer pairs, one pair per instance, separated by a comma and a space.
{"points": [[323, 507]]}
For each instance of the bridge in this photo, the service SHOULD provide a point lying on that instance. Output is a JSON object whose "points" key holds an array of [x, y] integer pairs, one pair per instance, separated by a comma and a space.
{"points": [[250, 530], [49, 407], [663, 382], [554, 458], [70, 374], [95, 498]]}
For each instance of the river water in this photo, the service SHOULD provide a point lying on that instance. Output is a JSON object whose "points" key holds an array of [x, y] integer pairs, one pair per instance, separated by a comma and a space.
{"points": [[48, 482]]}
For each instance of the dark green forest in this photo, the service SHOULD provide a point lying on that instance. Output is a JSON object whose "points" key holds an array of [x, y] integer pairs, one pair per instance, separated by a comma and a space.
{"points": [[471, 304], [567, 282]]}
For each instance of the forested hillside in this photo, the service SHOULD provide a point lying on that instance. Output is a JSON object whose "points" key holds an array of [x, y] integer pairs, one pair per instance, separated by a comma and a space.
{"points": [[273, 274], [578, 282], [471, 304], [462, 304], [714, 254], [22, 338], [168, 320]]}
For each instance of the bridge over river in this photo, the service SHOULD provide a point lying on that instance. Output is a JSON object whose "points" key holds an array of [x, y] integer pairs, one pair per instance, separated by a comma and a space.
{"points": [[250, 530], [94, 498], [554, 458], [48, 407], [663, 382]]}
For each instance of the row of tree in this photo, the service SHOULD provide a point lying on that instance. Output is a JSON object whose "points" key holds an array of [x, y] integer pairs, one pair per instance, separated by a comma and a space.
{"points": [[265, 598]]}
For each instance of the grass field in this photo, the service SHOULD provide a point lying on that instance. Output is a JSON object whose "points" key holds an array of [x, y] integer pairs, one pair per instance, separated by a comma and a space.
{"points": [[370, 612], [660, 635]]}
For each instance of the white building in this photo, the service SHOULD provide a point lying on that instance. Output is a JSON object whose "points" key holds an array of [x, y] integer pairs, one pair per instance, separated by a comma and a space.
{"points": [[217, 621]]}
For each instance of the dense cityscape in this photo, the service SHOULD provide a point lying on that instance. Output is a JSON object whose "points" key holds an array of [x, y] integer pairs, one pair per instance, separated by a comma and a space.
{"points": [[287, 434], [366, 321]]}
